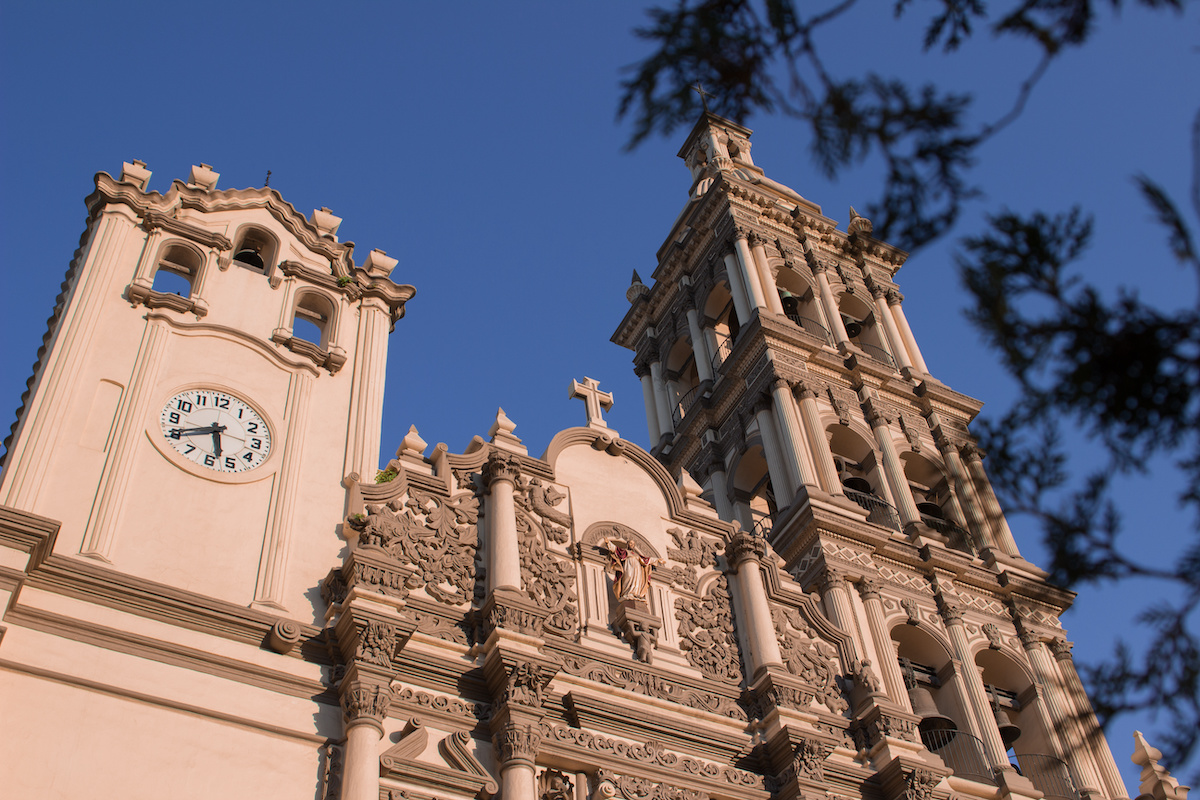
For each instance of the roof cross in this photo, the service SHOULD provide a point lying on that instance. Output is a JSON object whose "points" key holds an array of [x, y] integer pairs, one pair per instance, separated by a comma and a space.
{"points": [[594, 400], [703, 95]]}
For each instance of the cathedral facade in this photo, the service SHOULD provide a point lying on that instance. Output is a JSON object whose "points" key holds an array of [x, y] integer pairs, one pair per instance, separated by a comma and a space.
{"points": [[805, 589]]}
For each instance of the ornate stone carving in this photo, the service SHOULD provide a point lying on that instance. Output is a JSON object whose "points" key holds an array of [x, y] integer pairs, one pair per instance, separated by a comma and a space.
{"points": [[868, 589], [706, 633], [878, 723], [517, 743], [526, 683], [631, 788], [911, 610], [808, 657], [745, 545], [841, 405], [442, 703], [830, 579], [365, 701], [377, 644], [439, 627], [652, 685], [436, 537], [919, 785], [912, 431], [500, 467], [331, 772], [555, 785], [542, 500], [951, 612], [809, 759], [639, 627], [1061, 649], [693, 551], [284, 636], [864, 677], [548, 580], [992, 631]]}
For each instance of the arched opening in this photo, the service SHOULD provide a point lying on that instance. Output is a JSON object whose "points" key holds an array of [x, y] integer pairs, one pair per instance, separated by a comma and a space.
{"points": [[931, 493], [859, 321], [1024, 727], [936, 695], [721, 323], [312, 319], [753, 496], [800, 304], [683, 380], [860, 475], [255, 250], [176, 271]]}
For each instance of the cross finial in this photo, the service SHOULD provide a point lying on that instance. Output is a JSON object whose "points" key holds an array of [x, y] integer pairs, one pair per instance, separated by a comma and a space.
{"points": [[698, 89], [594, 400]]}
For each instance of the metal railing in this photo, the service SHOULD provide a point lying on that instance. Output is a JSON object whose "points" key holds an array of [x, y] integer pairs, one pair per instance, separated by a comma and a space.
{"points": [[762, 527], [724, 348], [1049, 775], [811, 326], [876, 353], [956, 537], [878, 511], [962, 753], [684, 405]]}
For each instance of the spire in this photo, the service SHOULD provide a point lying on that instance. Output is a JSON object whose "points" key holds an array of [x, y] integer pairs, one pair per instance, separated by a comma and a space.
{"points": [[636, 289]]}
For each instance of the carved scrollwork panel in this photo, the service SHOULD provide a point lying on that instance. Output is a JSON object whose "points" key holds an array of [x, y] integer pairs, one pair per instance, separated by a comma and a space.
{"points": [[707, 633]]}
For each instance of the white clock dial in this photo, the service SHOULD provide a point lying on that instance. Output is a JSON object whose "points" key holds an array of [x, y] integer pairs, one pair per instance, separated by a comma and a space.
{"points": [[216, 430]]}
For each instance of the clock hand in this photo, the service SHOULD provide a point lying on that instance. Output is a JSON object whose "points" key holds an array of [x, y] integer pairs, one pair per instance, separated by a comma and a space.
{"points": [[194, 431]]}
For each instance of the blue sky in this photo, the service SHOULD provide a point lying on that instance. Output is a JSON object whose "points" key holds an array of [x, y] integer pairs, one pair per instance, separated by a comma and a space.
{"points": [[477, 144]]}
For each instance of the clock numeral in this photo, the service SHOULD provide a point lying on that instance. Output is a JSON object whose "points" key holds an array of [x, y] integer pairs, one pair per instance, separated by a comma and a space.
{"points": [[249, 457], [173, 417], [201, 400], [221, 402], [251, 427], [210, 460], [230, 463], [256, 444], [190, 449], [240, 413], [184, 405], [174, 434]]}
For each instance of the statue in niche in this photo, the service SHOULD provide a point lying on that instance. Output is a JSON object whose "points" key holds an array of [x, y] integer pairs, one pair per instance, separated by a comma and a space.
{"points": [[631, 569]]}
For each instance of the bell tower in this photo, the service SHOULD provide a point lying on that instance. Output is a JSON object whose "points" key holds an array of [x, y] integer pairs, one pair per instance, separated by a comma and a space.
{"points": [[779, 371], [212, 373]]}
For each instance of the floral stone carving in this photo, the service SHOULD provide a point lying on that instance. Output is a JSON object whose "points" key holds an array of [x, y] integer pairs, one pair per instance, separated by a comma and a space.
{"points": [[808, 657], [548, 580], [707, 634]]}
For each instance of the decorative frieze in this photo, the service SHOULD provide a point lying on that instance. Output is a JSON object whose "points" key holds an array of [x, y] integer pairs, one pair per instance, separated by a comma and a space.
{"points": [[628, 787], [652, 685]]}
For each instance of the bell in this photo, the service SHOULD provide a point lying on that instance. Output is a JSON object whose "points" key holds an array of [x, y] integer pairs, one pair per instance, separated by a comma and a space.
{"points": [[250, 258], [857, 484], [930, 510], [1009, 731], [853, 329], [932, 719], [791, 304]]}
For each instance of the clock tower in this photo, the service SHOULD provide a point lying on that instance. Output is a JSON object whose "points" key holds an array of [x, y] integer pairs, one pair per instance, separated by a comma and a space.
{"points": [[212, 373]]}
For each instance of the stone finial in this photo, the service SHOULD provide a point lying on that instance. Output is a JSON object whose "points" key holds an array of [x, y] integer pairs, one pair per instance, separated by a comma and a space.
{"points": [[378, 264], [636, 289], [326, 222], [1155, 781], [203, 177], [501, 433], [135, 172], [858, 224], [412, 444]]}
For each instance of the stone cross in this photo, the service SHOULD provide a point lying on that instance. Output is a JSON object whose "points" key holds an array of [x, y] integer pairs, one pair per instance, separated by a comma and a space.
{"points": [[593, 399], [698, 89]]}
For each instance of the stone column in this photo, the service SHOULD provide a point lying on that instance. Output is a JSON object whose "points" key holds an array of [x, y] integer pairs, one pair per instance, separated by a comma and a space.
{"points": [[720, 489], [744, 553], [885, 650], [643, 373], [978, 707], [516, 751], [503, 546], [745, 261], [892, 468], [817, 444], [737, 288], [991, 506], [366, 403], [781, 480], [894, 299], [364, 707], [699, 343], [662, 402], [1093, 736], [832, 584], [895, 343], [1062, 717], [770, 290], [795, 448], [832, 313], [964, 491]]}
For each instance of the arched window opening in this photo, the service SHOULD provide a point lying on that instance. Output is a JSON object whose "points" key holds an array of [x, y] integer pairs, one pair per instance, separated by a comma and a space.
{"points": [[937, 698], [255, 250], [177, 268], [754, 497], [311, 321], [800, 304], [683, 380], [860, 476], [859, 321], [931, 493], [722, 321]]}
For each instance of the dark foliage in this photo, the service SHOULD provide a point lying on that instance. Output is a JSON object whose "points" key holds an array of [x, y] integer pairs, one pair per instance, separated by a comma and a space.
{"points": [[1121, 370]]}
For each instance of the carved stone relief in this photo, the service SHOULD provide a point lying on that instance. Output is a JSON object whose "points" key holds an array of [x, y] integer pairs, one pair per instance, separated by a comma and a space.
{"points": [[651, 685], [808, 657], [631, 788], [692, 551], [549, 580], [707, 633]]}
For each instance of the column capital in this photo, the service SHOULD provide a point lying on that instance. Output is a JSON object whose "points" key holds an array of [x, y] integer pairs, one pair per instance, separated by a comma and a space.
{"points": [[782, 383], [951, 612], [971, 452], [517, 745], [500, 468], [1061, 649], [763, 403], [740, 231], [894, 297], [876, 416], [640, 369], [755, 240], [868, 588], [831, 578], [805, 389], [877, 291], [745, 546], [365, 703]]}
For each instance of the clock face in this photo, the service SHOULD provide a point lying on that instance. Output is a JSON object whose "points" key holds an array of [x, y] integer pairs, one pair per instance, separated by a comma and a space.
{"points": [[216, 430]]}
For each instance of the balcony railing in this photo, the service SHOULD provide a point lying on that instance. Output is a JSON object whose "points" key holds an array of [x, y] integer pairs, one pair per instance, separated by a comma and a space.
{"points": [[1049, 775], [962, 753], [956, 537], [876, 353], [878, 511], [811, 326], [724, 348], [684, 405]]}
